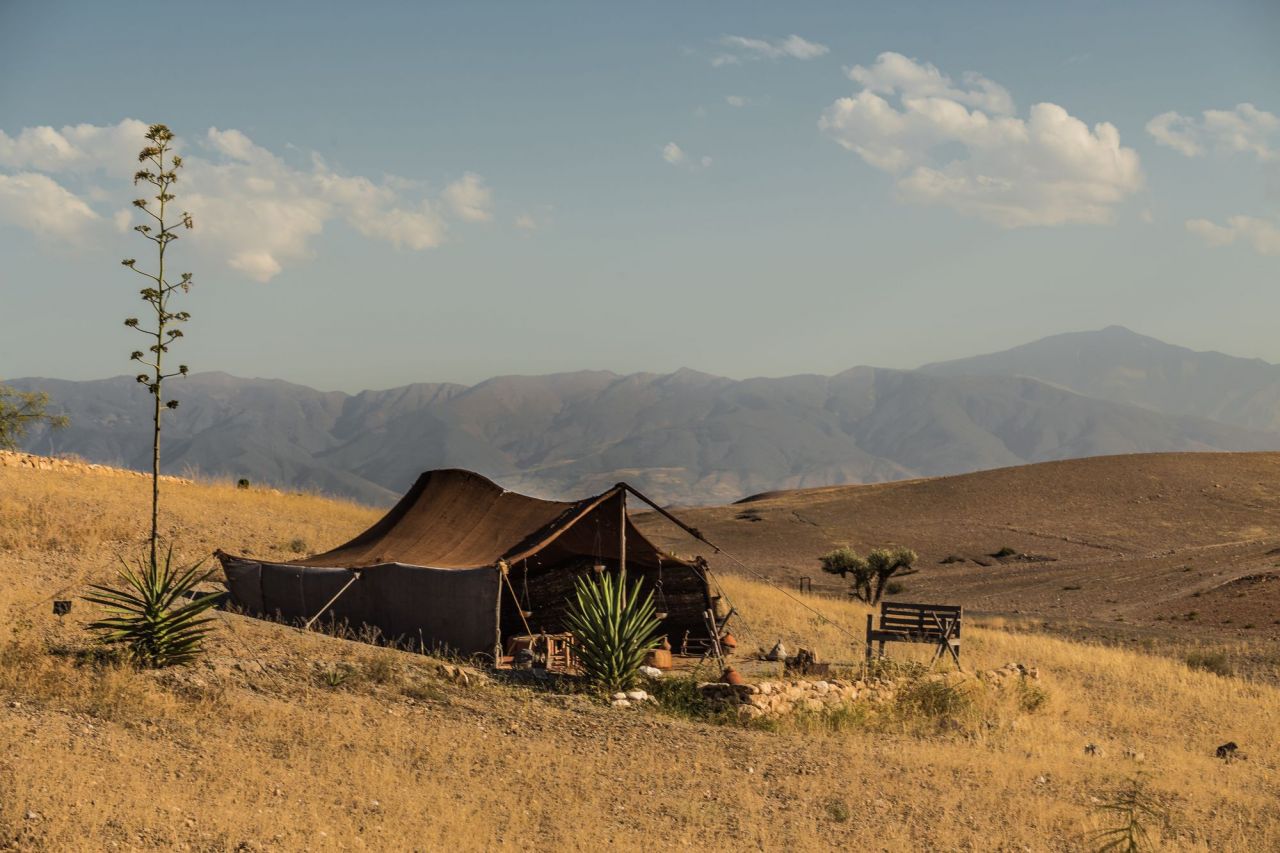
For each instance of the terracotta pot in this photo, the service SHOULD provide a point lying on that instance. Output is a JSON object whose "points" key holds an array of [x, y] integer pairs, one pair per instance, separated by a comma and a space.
{"points": [[658, 658], [728, 642], [730, 676]]}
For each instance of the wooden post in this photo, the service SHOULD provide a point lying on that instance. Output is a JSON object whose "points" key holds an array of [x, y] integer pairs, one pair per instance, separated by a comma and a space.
{"points": [[622, 543], [870, 622]]}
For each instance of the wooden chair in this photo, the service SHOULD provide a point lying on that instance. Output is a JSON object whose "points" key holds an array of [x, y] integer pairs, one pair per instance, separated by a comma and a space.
{"points": [[901, 622]]}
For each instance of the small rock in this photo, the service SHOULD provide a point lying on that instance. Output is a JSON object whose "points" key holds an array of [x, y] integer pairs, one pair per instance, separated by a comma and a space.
{"points": [[621, 703], [636, 695], [618, 695], [778, 652], [15, 704], [651, 671], [34, 816]]}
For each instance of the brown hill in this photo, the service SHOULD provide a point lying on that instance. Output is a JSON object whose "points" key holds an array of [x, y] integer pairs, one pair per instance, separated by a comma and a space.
{"points": [[1134, 538]]}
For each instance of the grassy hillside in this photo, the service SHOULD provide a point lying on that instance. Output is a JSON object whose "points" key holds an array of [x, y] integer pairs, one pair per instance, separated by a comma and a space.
{"points": [[253, 749]]}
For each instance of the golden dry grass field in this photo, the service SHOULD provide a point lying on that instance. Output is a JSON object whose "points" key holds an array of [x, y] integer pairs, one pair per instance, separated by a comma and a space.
{"points": [[254, 748]]}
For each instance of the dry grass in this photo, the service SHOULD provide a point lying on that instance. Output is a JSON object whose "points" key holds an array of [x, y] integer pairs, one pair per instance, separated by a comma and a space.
{"points": [[255, 749]]}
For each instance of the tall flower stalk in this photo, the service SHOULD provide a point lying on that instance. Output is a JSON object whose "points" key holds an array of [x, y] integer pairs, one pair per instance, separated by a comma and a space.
{"points": [[159, 169], [157, 615]]}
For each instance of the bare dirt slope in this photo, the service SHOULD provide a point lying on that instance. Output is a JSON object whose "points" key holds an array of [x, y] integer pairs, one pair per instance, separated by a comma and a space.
{"points": [[1138, 538]]}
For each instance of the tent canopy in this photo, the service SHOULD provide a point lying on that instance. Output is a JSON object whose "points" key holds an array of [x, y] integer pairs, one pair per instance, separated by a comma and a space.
{"points": [[455, 519]]}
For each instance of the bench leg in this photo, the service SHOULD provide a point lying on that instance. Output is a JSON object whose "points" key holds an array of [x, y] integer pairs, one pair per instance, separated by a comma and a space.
{"points": [[868, 650]]}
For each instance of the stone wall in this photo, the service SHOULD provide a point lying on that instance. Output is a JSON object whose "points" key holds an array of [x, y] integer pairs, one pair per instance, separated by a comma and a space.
{"points": [[30, 461], [776, 698]]}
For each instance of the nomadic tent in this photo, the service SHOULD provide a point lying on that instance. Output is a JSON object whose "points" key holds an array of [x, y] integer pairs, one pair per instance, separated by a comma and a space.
{"points": [[431, 572]]}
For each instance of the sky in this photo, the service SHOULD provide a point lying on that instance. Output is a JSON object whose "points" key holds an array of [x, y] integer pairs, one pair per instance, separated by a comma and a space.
{"points": [[386, 193]]}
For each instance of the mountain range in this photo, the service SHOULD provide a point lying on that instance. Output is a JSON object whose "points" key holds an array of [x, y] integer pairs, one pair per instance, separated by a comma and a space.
{"points": [[689, 437]]}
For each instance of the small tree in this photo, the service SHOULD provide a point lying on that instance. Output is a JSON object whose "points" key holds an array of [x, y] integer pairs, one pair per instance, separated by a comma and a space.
{"points": [[19, 410], [870, 575], [156, 615]]}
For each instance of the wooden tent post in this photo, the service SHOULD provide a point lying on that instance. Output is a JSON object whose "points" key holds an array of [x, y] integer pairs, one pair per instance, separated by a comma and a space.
{"points": [[622, 544]]}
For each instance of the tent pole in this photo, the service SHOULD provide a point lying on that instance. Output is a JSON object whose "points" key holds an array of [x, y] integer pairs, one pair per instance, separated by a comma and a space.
{"points": [[622, 543], [497, 615]]}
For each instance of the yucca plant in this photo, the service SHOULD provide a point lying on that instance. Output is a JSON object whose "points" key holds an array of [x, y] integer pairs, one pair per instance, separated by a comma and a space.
{"points": [[615, 627], [155, 616]]}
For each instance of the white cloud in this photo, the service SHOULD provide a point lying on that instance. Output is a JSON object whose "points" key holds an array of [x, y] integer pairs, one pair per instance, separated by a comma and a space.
{"points": [[736, 100], [1264, 236], [39, 204], [676, 156], [78, 149], [894, 72], [254, 210], [470, 199], [526, 222], [1242, 130], [1049, 168], [740, 49]]}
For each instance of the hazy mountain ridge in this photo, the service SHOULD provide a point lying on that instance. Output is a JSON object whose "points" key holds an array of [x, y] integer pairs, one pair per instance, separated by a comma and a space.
{"points": [[688, 436]]}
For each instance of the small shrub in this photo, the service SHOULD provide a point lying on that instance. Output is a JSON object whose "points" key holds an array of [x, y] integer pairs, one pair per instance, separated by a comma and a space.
{"points": [[894, 588], [951, 558], [1072, 588], [242, 483], [1031, 696], [298, 546], [380, 668], [681, 697], [1215, 662], [837, 811], [1005, 551], [336, 676], [1134, 808]]}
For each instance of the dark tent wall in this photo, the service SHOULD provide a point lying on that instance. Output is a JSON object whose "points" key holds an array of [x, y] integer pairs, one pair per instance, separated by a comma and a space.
{"points": [[451, 610]]}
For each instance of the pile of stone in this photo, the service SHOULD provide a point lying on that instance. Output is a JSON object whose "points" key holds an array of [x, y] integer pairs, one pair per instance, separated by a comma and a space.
{"points": [[1010, 672], [776, 698], [630, 698]]}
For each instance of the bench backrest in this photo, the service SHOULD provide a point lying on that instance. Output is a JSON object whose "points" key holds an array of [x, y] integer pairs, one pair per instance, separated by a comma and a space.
{"points": [[919, 619]]}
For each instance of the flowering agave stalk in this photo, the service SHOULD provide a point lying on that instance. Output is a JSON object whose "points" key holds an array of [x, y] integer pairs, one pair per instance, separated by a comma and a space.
{"points": [[156, 613], [614, 629], [160, 170]]}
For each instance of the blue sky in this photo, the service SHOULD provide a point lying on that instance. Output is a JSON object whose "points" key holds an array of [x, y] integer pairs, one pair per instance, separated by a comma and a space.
{"points": [[396, 192]]}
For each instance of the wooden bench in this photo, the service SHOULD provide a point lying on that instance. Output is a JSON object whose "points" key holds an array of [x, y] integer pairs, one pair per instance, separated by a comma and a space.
{"points": [[901, 622]]}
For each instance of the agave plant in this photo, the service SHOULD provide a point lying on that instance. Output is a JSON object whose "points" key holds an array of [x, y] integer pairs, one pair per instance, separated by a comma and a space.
{"points": [[155, 616], [615, 627]]}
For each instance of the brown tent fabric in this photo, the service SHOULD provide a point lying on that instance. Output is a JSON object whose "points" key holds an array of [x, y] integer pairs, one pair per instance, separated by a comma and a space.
{"points": [[430, 571], [455, 519]]}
